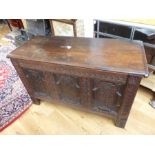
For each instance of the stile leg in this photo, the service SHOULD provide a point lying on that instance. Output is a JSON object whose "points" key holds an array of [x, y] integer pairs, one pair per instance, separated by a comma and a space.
{"points": [[128, 98], [25, 81]]}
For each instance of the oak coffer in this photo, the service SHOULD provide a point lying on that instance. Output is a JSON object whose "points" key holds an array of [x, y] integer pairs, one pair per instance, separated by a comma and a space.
{"points": [[98, 75]]}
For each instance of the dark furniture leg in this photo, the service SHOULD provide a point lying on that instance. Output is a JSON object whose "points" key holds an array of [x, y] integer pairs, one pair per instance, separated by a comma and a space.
{"points": [[74, 29], [152, 102], [52, 28], [25, 81], [35, 101], [128, 98], [8, 25]]}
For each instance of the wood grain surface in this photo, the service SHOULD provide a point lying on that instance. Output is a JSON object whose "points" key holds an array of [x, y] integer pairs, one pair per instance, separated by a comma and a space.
{"points": [[102, 54]]}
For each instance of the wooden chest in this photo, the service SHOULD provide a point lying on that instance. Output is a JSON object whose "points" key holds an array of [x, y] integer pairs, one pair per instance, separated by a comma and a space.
{"points": [[98, 75]]}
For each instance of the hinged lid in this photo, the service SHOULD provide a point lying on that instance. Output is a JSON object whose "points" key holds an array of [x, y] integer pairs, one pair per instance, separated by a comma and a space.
{"points": [[102, 54]]}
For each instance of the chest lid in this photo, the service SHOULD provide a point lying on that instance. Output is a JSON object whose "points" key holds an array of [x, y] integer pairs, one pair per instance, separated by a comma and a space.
{"points": [[99, 54]]}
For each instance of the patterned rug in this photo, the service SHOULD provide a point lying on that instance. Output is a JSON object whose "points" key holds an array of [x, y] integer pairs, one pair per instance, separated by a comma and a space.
{"points": [[14, 99]]}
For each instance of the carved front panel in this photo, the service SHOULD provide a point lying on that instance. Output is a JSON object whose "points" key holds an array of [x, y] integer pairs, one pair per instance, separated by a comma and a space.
{"points": [[93, 94], [35, 78], [69, 89], [106, 96], [38, 81]]}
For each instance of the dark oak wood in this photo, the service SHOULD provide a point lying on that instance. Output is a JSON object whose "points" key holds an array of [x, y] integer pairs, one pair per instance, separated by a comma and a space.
{"points": [[97, 75], [16, 23], [132, 85], [86, 91], [99, 54], [27, 84]]}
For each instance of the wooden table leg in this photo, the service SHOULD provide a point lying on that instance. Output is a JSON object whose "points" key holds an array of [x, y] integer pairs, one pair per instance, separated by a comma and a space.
{"points": [[74, 29], [8, 24], [152, 102], [52, 27]]}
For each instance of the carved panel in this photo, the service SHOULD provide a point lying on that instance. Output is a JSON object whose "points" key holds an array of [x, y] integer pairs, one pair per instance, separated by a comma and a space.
{"points": [[69, 89], [106, 95], [38, 82], [36, 79]]}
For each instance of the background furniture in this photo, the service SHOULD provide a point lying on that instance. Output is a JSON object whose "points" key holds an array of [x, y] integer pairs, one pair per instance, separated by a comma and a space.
{"points": [[29, 28], [15, 23], [131, 31], [66, 21], [38, 27], [127, 31], [150, 83], [83, 73]]}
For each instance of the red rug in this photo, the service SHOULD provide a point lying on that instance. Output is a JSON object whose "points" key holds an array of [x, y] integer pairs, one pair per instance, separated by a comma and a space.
{"points": [[14, 99]]}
